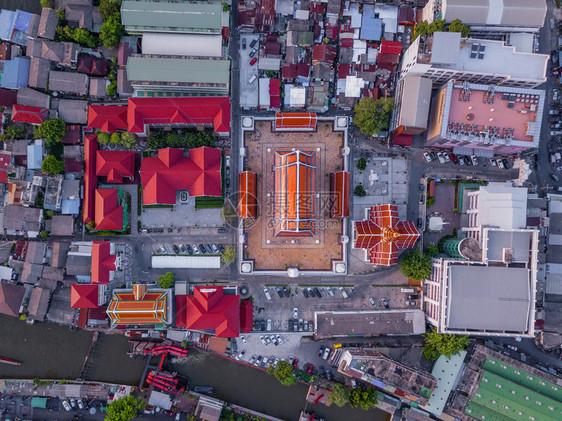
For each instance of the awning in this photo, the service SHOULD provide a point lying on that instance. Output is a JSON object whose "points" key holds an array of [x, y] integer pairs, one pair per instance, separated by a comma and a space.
{"points": [[403, 140], [246, 316], [457, 150], [39, 403], [484, 153]]}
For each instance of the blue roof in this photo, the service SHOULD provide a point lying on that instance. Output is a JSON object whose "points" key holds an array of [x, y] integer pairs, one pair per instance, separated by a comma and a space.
{"points": [[7, 19], [23, 20], [70, 207], [16, 73], [371, 26], [34, 156]]}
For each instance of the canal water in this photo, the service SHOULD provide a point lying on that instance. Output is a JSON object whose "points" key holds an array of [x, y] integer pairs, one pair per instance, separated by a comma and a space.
{"points": [[50, 351]]}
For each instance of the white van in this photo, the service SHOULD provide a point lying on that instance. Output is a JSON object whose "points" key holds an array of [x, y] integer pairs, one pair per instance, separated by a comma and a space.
{"points": [[267, 295], [407, 290], [252, 79]]}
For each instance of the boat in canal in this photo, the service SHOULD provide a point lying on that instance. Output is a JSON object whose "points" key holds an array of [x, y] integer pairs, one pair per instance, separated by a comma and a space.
{"points": [[204, 389], [9, 361]]}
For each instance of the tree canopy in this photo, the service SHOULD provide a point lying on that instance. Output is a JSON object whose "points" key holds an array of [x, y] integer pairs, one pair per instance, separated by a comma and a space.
{"points": [[284, 373], [124, 409], [128, 139], [52, 165], [112, 31], [13, 132], [79, 35], [339, 396], [115, 138], [229, 255], [437, 344], [364, 397], [185, 139], [103, 137], [360, 191], [424, 28], [167, 280], [371, 117], [52, 131], [108, 8], [415, 265], [458, 26], [361, 164], [432, 250]]}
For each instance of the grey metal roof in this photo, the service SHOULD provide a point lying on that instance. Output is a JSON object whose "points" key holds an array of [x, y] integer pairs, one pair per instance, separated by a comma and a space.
{"points": [[518, 241], [171, 17], [157, 69], [488, 298]]}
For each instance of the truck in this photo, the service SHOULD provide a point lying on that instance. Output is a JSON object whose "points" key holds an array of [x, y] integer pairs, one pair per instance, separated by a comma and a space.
{"points": [[407, 290]]}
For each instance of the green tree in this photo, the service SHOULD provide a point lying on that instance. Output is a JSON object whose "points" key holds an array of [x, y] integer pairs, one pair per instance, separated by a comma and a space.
{"points": [[423, 28], [78, 35], [103, 138], [436, 344], [115, 138], [90, 226], [13, 132], [112, 31], [167, 280], [52, 131], [111, 89], [52, 165], [416, 265], [108, 8], [128, 139], [339, 396], [361, 164], [124, 409], [229, 255], [436, 26], [371, 117], [60, 14], [47, 3], [430, 202], [368, 398], [284, 373], [44, 233], [432, 250], [458, 26], [359, 191]]}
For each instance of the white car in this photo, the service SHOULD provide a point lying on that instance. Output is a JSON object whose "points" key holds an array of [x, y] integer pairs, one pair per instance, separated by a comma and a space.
{"points": [[474, 160], [295, 313], [330, 291], [243, 339], [279, 339], [500, 163], [291, 359], [240, 355], [427, 156], [66, 405], [263, 340], [447, 157], [441, 157], [493, 162], [195, 249], [80, 403], [267, 340]]}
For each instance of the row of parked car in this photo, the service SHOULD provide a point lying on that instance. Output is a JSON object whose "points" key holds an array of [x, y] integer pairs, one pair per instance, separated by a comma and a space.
{"points": [[194, 249], [70, 404], [310, 292], [444, 157]]}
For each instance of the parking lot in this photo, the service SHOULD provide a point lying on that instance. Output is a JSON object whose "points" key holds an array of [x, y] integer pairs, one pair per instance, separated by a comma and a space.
{"points": [[188, 249], [450, 159], [249, 91]]}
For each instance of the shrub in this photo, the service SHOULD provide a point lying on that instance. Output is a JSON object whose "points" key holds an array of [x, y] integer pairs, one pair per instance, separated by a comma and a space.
{"points": [[361, 164]]}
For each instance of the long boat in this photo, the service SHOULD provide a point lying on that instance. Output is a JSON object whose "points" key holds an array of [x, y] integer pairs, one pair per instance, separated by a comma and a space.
{"points": [[9, 361]]}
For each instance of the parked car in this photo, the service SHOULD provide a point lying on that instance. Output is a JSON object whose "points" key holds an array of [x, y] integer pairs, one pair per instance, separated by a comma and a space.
{"points": [[474, 160], [295, 313], [440, 157], [317, 292], [305, 327], [254, 41], [343, 293], [221, 248], [321, 351], [243, 339], [202, 249], [262, 339], [326, 353], [500, 163], [427, 156], [182, 249], [372, 301], [321, 371], [309, 369], [446, 156], [208, 248], [413, 297], [553, 112], [253, 359], [239, 356], [301, 325], [189, 249], [286, 292], [279, 339], [311, 292], [493, 162], [243, 43], [506, 163], [513, 348], [291, 325], [80, 403], [73, 403], [329, 375], [295, 363], [267, 294], [254, 60], [461, 160], [305, 293], [454, 158], [411, 303], [330, 291], [262, 325], [269, 325], [555, 177], [215, 248], [66, 405], [176, 249]]}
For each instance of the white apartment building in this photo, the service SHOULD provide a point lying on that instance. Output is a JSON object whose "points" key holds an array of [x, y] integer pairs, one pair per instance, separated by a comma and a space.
{"points": [[443, 56], [491, 289]]}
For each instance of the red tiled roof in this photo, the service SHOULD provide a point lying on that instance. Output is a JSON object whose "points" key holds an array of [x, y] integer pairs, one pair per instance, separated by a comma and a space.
{"points": [[247, 185], [274, 93], [72, 165], [383, 234], [339, 187], [3, 177], [84, 295], [200, 173], [90, 179], [91, 65], [208, 308], [180, 111], [289, 71], [11, 296], [109, 215], [102, 262], [323, 52], [246, 316], [5, 160], [108, 118], [391, 47], [115, 165], [388, 58], [403, 140], [72, 136], [294, 193], [344, 70], [303, 69], [295, 120], [26, 114], [8, 97]]}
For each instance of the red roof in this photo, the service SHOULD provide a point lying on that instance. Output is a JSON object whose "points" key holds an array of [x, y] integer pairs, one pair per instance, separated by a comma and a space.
{"points": [[109, 215], [200, 173], [91, 65], [391, 47], [323, 52], [246, 316], [403, 140], [209, 309], [124, 52], [247, 186], [383, 235], [26, 114], [3, 177], [72, 136], [274, 93], [295, 120], [8, 97], [115, 165], [289, 71], [84, 295], [179, 111], [72, 165], [102, 262], [108, 118], [339, 187], [388, 58], [303, 69], [90, 179]]}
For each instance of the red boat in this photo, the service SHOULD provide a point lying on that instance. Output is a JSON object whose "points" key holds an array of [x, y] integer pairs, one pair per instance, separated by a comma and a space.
{"points": [[9, 361]]}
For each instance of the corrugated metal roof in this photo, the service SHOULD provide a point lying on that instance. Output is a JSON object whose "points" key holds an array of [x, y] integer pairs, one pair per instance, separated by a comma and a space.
{"points": [[201, 262], [171, 17], [177, 70]]}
